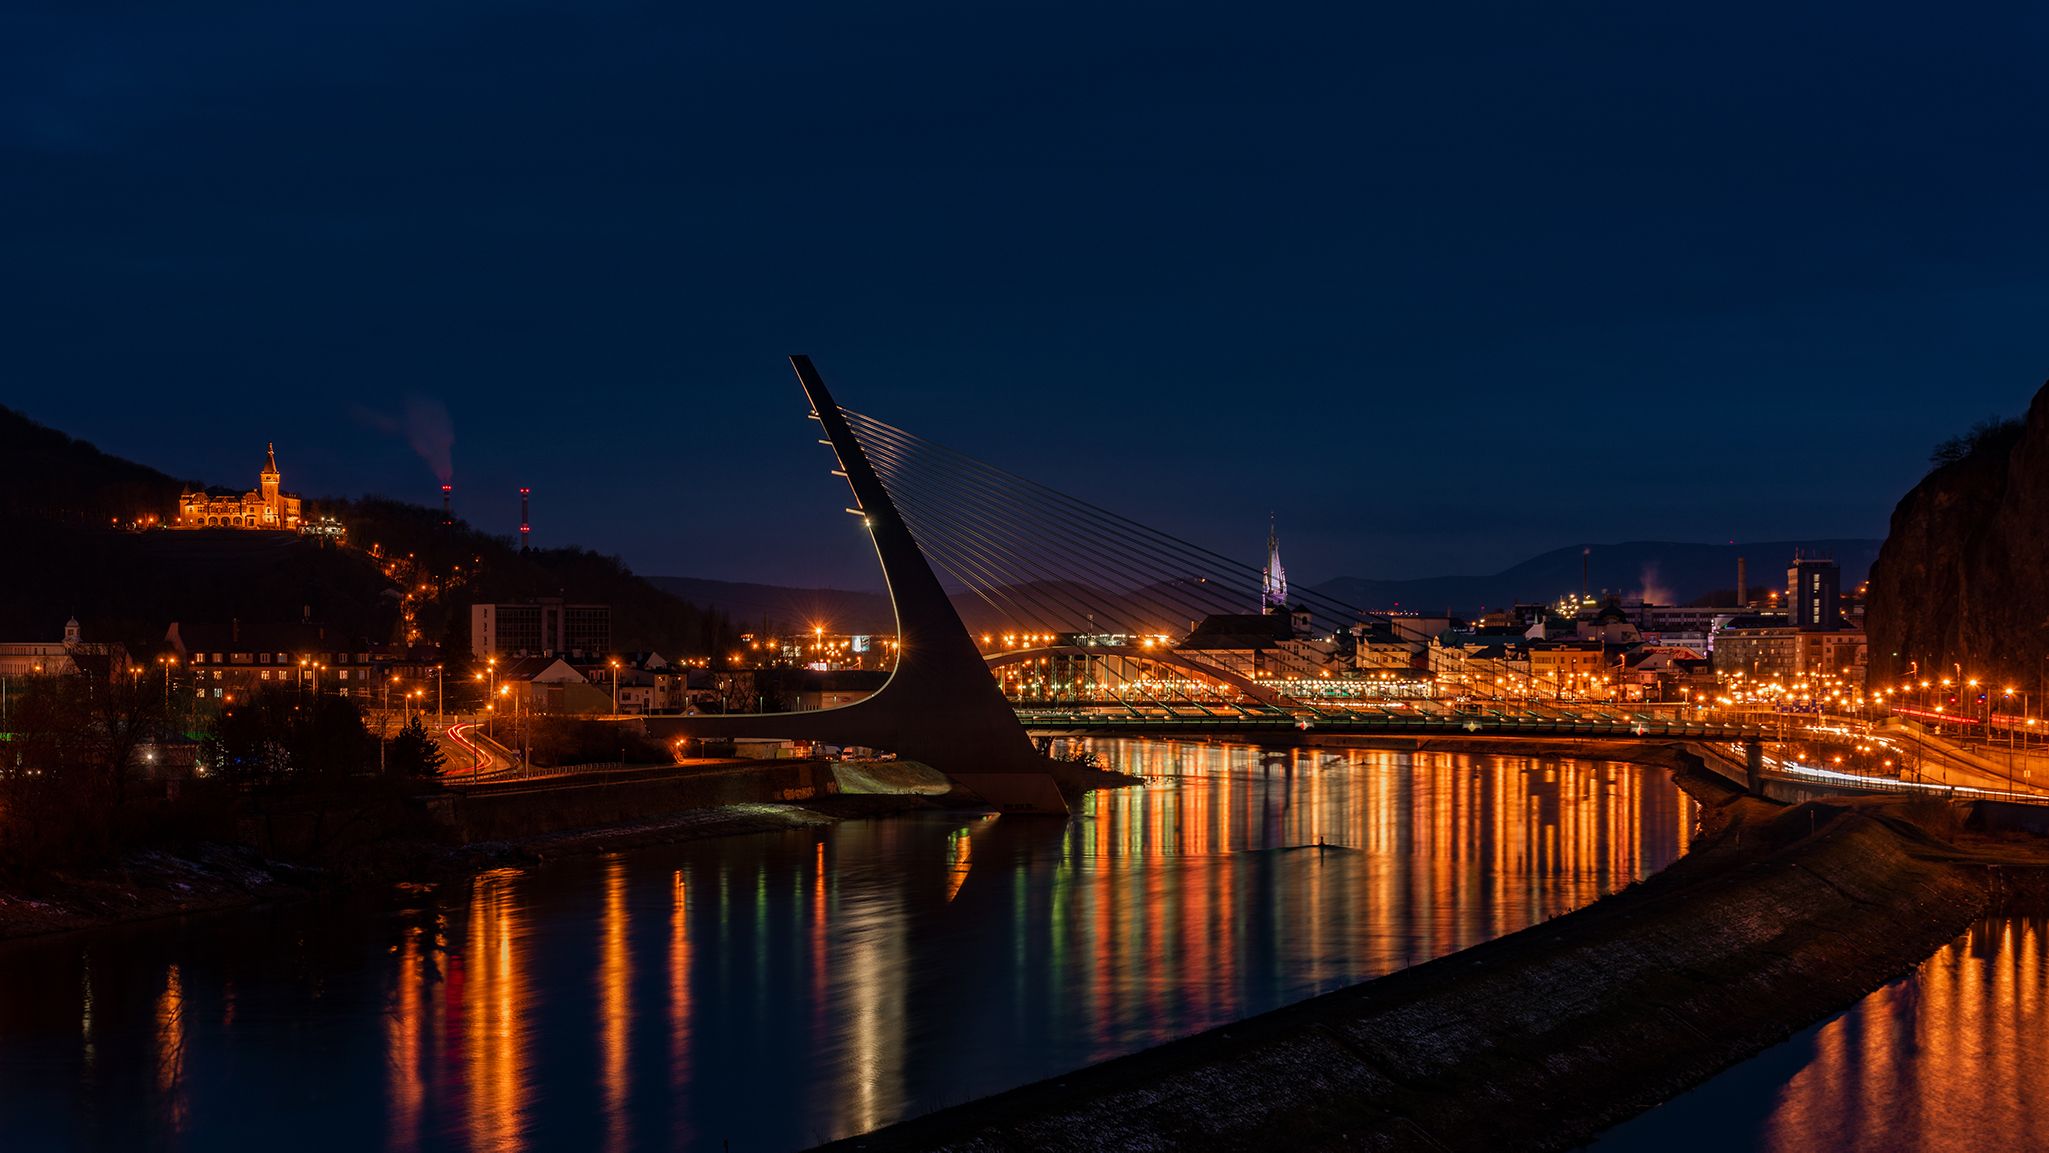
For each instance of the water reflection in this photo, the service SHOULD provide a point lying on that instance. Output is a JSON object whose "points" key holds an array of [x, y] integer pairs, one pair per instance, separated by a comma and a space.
{"points": [[778, 990], [170, 1055], [405, 1026], [1945, 1060], [616, 1000], [487, 995]]}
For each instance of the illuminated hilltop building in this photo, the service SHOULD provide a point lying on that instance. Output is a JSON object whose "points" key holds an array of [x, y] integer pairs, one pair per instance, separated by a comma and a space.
{"points": [[265, 509]]}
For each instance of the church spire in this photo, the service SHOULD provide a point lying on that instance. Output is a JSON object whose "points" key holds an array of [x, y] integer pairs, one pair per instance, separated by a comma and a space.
{"points": [[270, 458], [1273, 579]]}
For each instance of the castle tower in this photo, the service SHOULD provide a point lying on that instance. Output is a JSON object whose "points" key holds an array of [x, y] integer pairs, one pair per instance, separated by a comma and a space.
{"points": [[1273, 579], [268, 481]]}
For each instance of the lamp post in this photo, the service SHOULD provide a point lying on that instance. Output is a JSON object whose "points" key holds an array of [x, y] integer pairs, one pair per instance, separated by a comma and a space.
{"points": [[490, 678], [437, 696], [615, 686], [168, 662]]}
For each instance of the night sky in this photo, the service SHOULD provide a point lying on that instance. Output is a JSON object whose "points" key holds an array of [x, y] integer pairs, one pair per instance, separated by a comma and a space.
{"points": [[1441, 285]]}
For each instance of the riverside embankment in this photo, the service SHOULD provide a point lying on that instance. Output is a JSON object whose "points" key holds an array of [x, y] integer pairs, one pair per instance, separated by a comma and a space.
{"points": [[1777, 918], [299, 847]]}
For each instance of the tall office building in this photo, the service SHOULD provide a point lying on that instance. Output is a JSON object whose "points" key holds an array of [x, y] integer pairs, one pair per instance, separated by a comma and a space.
{"points": [[546, 626], [1813, 595]]}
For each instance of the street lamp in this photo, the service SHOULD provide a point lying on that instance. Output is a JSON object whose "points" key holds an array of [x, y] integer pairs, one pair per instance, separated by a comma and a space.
{"points": [[490, 677], [169, 662], [615, 686]]}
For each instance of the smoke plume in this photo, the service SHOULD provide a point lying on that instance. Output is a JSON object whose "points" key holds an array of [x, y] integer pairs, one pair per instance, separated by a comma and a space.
{"points": [[432, 434], [1654, 593], [425, 424]]}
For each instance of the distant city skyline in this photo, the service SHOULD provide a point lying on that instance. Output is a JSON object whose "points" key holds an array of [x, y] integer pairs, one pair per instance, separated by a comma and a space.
{"points": [[1442, 289]]}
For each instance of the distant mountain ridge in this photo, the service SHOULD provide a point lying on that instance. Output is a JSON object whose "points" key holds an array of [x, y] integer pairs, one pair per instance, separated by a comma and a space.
{"points": [[1676, 572], [1665, 572]]}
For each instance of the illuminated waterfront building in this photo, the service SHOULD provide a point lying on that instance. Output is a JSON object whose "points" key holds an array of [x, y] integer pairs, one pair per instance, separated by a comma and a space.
{"points": [[268, 508]]}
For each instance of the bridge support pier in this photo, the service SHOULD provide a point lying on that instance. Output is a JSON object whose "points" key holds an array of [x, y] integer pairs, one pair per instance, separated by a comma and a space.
{"points": [[1753, 766], [940, 706]]}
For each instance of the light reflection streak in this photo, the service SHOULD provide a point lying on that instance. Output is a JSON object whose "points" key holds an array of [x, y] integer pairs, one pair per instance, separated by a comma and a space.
{"points": [[680, 1004], [88, 1050], [868, 984], [615, 1007], [170, 1049], [403, 1046], [490, 1001], [961, 850]]}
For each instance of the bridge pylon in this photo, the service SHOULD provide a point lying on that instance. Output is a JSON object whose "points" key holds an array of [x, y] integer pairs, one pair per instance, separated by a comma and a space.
{"points": [[940, 706]]}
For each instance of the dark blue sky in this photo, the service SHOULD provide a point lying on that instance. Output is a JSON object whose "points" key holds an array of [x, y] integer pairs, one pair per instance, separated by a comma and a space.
{"points": [[1443, 285]]}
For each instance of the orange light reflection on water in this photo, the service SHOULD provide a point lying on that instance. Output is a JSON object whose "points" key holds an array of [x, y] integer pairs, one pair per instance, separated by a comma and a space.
{"points": [[615, 1007], [493, 1012], [1369, 861], [1946, 1061], [170, 1049], [403, 1027]]}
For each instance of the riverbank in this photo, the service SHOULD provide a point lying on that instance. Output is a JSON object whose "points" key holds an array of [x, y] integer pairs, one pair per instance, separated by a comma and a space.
{"points": [[1778, 917], [220, 876]]}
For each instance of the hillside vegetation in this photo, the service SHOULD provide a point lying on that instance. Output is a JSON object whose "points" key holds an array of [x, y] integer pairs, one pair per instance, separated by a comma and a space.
{"points": [[59, 495]]}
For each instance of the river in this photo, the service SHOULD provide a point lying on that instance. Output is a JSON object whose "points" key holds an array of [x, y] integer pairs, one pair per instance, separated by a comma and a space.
{"points": [[1947, 1060], [771, 991]]}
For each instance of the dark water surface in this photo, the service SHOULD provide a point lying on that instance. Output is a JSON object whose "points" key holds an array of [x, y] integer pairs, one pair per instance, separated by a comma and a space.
{"points": [[1953, 1059], [776, 990]]}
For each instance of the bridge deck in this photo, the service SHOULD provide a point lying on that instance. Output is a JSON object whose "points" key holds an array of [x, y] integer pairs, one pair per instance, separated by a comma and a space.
{"points": [[1047, 721]]}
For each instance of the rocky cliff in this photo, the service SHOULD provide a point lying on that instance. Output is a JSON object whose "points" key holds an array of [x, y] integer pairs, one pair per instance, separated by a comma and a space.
{"points": [[1963, 577]]}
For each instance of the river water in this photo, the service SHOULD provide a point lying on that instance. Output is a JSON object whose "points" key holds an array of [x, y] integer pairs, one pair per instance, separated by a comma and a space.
{"points": [[771, 991], [1948, 1060]]}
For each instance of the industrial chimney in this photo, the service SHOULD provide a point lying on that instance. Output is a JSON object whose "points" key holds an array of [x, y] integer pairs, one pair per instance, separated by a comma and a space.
{"points": [[1742, 585], [447, 504], [524, 527]]}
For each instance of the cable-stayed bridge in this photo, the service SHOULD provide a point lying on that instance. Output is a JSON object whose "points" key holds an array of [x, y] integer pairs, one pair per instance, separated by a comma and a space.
{"points": [[1093, 622]]}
